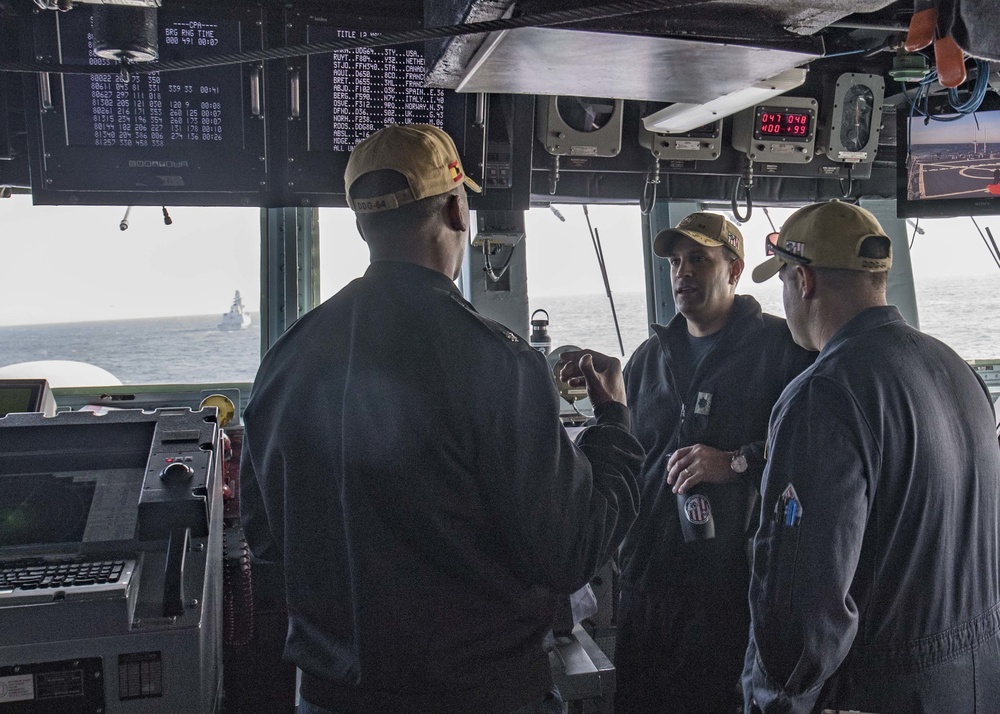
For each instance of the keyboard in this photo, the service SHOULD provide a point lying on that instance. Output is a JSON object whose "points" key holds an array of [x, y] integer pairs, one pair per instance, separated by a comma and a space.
{"points": [[37, 580]]}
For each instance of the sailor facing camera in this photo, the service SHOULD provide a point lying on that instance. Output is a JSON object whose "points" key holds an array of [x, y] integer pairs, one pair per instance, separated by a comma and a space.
{"points": [[429, 509], [701, 390], [874, 583]]}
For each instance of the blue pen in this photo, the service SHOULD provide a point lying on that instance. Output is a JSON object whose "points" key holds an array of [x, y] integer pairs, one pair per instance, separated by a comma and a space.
{"points": [[790, 510]]}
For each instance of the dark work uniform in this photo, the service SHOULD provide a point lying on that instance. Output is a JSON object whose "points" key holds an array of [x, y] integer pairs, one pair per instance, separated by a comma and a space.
{"points": [[404, 460], [875, 567], [684, 624]]}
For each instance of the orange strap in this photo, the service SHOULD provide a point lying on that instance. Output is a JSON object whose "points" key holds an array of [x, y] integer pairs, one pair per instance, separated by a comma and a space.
{"points": [[923, 26], [950, 61]]}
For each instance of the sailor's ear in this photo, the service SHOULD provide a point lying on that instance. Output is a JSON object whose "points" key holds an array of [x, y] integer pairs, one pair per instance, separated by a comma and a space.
{"points": [[456, 213], [736, 270], [361, 231], [806, 281]]}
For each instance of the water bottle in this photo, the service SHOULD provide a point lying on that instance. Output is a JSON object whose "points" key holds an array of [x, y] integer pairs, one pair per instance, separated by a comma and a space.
{"points": [[539, 338], [695, 513]]}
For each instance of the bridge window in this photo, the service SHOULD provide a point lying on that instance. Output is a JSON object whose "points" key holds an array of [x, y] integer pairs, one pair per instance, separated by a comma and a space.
{"points": [[141, 306], [343, 255], [564, 277], [956, 281]]}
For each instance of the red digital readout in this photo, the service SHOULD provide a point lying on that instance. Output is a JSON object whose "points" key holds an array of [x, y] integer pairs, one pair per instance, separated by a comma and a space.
{"points": [[783, 124]]}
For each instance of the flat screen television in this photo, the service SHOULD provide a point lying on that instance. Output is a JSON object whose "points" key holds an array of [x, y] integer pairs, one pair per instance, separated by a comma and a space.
{"points": [[948, 168]]}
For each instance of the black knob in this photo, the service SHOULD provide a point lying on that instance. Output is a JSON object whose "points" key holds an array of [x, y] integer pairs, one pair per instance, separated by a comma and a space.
{"points": [[176, 472]]}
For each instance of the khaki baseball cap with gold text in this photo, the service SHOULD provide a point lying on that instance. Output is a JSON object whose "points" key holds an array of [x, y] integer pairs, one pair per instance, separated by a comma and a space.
{"points": [[423, 153], [711, 229], [825, 235]]}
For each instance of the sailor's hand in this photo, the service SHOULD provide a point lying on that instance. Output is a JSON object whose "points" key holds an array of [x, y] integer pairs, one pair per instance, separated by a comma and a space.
{"points": [[691, 465], [601, 374]]}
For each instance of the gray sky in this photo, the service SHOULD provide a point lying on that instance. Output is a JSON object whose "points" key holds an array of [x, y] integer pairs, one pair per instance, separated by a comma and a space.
{"points": [[981, 126], [65, 264]]}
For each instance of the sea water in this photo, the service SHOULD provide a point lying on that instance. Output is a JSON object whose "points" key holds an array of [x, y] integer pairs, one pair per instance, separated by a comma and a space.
{"points": [[191, 349]]}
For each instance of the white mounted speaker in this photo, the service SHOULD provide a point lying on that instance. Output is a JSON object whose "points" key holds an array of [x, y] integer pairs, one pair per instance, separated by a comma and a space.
{"points": [[701, 144]]}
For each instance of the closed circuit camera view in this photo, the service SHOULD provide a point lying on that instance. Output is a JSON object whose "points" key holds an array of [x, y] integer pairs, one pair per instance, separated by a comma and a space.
{"points": [[955, 159]]}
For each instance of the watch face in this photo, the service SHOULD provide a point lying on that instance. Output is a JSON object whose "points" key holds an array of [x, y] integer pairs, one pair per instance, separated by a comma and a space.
{"points": [[739, 464]]}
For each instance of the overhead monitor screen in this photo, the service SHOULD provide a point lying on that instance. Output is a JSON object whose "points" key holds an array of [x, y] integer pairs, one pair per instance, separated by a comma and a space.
{"points": [[339, 98], [189, 136], [154, 110], [369, 88]]}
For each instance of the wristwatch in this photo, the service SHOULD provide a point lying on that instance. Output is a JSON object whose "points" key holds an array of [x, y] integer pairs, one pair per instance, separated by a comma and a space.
{"points": [[739, 463]]}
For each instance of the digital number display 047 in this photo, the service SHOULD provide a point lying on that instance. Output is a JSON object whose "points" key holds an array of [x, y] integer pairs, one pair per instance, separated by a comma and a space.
{"points": [[783, 124]]}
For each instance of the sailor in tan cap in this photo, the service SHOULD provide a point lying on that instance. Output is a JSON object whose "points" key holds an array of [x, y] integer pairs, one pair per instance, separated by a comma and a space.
{"points": [[405, 462], [701, 390], [874, 583]]}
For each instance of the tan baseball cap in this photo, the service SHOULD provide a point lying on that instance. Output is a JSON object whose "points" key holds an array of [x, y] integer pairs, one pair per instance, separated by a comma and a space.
{"points": [[824, 235], [424, 154], [711, 229]]}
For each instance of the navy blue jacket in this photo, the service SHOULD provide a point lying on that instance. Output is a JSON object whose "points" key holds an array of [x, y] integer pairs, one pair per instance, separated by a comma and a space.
{"points": [[742, 376], [405, 462], [875, 572], [684, 614]]}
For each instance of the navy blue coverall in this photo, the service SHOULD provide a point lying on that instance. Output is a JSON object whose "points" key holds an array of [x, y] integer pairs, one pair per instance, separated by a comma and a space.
{"points": [[875, 571]]}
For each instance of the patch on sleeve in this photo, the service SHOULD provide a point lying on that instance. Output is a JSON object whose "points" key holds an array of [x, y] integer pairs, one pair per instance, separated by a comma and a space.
{"points": [[788, 509], [703, 405]]}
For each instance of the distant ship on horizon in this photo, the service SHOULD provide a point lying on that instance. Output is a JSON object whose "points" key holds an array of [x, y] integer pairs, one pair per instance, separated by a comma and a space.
{"points": [[237, 318]]}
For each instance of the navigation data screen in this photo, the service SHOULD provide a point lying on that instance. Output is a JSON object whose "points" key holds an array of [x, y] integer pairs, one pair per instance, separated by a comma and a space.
{"points": [[42, 509], [175, 109], [375, 87]]}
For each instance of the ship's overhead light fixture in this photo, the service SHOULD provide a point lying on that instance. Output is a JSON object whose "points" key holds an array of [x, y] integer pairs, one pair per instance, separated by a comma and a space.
{"points": [[682, 117]]}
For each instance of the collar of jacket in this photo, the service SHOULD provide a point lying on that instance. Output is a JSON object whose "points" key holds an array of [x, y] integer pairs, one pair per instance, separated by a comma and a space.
{"points": [[870, 319], [745, 316], [410, 273]]}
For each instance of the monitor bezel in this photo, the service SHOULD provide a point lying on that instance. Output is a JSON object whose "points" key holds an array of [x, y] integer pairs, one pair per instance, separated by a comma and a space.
{"points": [[935, 207], [314, 176], [37, 387], [64, 174]]}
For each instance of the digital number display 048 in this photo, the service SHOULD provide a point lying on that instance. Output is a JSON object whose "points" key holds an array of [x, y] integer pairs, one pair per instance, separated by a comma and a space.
{"points": [[783, 124]]}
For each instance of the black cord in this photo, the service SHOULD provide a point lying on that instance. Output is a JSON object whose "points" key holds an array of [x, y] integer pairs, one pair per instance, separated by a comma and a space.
{"points": [[647, 201], [916, 227], [850, 182], [735, 205], [745, 179], [495, 277]]}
